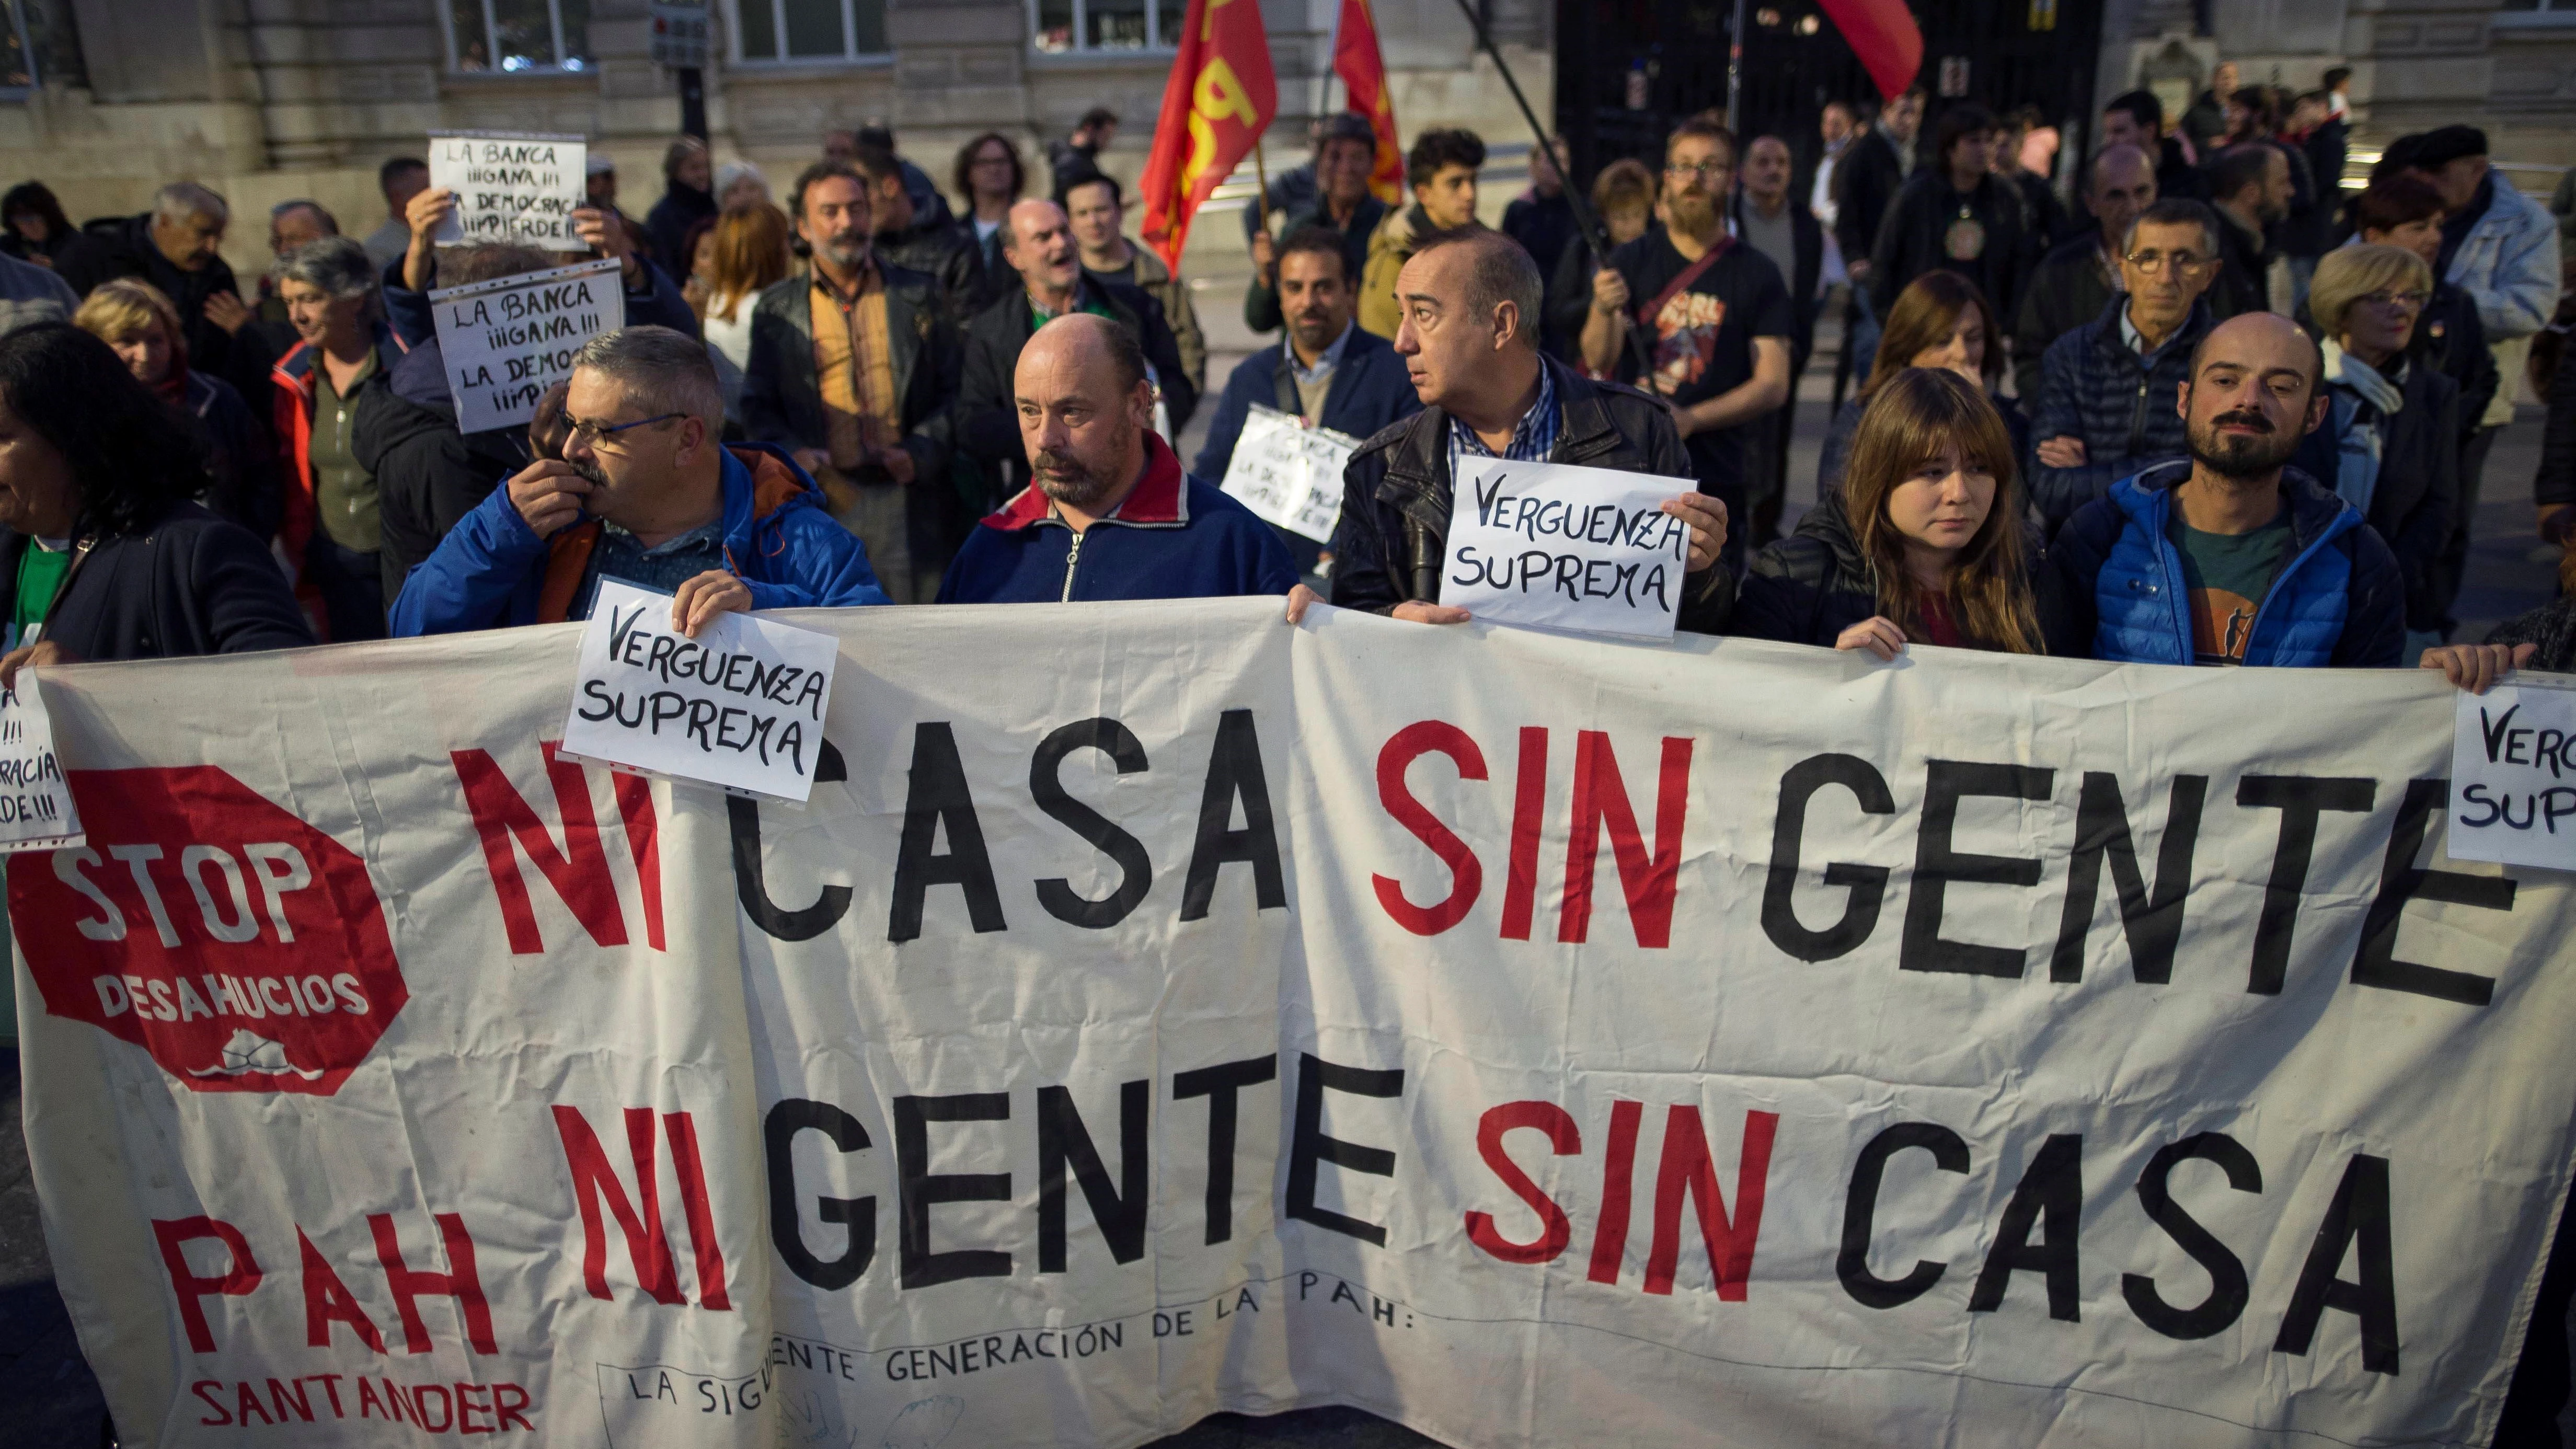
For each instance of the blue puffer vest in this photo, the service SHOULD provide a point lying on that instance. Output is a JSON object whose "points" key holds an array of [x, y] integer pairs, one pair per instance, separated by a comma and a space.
{"points": [[2143, 607]]}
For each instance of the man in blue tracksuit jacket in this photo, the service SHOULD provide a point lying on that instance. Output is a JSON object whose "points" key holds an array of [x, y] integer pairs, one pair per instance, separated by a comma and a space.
{"points": [[2230, 557], [1109, 514], [647, 494]]}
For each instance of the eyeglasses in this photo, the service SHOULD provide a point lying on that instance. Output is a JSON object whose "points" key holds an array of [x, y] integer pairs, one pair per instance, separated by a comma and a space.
{"points": [[2176, 262], [579, 428], [1706, 170], [2395, 299]]}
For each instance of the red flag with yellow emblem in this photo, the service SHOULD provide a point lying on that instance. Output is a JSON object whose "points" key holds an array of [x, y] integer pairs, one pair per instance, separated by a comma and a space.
{"points": [[1220, 98], [1362, 67]]}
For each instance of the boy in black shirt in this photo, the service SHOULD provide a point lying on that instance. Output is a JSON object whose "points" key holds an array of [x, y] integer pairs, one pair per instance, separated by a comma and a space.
{"points": [[1716, 316]]}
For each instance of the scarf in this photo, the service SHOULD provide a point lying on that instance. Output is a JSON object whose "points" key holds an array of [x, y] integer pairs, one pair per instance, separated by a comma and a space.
{"points": [[2360, 436]]}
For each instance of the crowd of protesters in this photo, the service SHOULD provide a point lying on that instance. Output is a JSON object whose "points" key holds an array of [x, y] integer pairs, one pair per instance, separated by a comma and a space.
{"points": [[2218, 410]]}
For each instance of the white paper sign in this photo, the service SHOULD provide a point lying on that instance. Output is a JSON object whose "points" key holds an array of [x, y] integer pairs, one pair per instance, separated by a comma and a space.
{"points": [[506, 340], [511, 186], [739, 706], [1561, 547], [36, 809], [1289, 473], [2513, 776]]}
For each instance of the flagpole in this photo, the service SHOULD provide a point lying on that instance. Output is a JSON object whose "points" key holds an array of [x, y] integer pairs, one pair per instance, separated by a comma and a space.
{"points": [[1261, 174], [1598, 235]]}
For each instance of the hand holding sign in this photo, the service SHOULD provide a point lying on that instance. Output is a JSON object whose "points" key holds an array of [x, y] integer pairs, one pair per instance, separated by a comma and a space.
{"points": [[1560, 547], [691, 688], [506, 340], [510, 186], [36, 809], [1288, 473], [2513, 776]]}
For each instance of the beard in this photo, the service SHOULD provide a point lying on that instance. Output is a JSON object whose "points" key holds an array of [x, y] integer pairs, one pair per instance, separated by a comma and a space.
{"points": [[1068, 480], [1692, 213], [2238, 457], [845, 249]]}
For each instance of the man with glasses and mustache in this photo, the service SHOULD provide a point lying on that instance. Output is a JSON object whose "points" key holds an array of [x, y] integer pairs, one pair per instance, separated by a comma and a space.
{"points": [[2230, 556], [1718, 318], [1108, 514], [2101, 413], [644, 492]]}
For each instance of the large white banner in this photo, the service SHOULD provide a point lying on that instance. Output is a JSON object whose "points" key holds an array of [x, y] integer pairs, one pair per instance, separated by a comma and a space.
{"points": [[1537, 1040]]}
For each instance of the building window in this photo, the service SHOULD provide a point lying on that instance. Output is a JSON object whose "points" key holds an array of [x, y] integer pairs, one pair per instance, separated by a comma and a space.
{"points": [[1065, 27], [772, 31], [39, 46], [519, 36]]}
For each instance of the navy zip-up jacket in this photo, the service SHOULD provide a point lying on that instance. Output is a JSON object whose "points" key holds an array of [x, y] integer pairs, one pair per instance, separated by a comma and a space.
{"points": [[1175, 537], [2094, 388]]}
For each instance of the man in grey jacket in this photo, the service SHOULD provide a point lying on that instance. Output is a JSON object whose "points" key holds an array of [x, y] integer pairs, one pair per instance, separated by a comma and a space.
{"points": [[2501, 248]]}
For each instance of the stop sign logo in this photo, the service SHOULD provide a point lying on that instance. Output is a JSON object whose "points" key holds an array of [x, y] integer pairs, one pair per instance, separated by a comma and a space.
{"points": [[244, 949]]}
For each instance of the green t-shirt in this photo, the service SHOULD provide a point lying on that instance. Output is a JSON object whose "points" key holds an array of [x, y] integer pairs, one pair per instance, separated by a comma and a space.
{"points": [[2227, 576], [40, 573]]}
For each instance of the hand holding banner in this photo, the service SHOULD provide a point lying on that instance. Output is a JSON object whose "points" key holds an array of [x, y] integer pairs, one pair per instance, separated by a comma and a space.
{"points": [[739, 706], [1560, 547]]}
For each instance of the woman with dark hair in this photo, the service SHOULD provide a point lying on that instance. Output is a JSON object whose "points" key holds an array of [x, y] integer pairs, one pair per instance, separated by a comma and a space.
{"points": [[37, 230], [105, 556], [688, 197], [1939, 320], [991, 176], [1924, 543]]}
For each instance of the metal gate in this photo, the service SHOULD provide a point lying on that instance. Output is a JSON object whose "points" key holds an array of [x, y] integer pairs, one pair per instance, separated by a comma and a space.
{"points": [[1628, 69]]}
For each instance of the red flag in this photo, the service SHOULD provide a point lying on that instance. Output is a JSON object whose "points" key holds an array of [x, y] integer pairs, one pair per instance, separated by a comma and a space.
{"points": [[1883, 34], [1220, 98], [1363, 71]]}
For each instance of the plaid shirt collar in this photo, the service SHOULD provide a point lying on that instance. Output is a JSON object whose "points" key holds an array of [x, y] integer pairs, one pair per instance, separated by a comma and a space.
{"points": [[1532, 439]]}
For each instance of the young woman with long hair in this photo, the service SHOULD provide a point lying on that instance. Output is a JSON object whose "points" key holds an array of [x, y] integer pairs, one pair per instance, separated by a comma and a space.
{"points": [[1939, 320], [1923, 544]]}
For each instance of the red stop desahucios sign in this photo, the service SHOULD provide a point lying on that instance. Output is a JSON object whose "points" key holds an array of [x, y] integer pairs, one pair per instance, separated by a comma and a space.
{"points": [[244, 949]]}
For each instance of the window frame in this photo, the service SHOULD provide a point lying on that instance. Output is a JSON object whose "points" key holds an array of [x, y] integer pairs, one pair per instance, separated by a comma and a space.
{"points": [[1156, 43], [850, 53], [491, 23]]}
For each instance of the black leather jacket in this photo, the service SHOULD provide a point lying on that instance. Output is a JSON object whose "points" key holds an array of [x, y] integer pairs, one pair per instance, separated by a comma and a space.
{"points": [[1396, 492]]}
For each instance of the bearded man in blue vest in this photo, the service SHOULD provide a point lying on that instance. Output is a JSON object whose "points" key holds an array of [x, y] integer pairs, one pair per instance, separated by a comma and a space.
{"points": [[2229, 556]]}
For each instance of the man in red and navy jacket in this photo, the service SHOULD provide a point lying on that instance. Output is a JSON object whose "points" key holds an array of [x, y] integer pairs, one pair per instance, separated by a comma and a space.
{"points": [[1110, 514]]}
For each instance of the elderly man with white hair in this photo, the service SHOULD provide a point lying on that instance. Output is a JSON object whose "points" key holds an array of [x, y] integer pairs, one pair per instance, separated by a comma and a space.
{"points": [[646, 492], [177, 246]]}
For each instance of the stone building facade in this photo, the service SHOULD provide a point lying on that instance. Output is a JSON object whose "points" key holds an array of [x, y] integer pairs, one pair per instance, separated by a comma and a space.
{"points": [[2416, 64], [271, 99]]}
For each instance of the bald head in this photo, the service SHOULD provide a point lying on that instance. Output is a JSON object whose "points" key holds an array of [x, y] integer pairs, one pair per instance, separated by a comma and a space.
{"points": [[2252, 395], [1085, 407], [2120, 186], [1037, 240], [1091, 343], [2262, 341]]}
